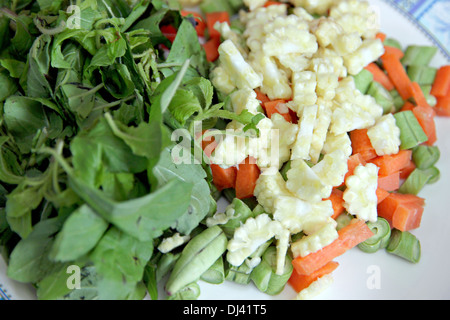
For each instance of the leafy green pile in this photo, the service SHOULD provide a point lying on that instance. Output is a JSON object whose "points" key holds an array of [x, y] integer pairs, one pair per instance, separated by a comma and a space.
{"points": [[87, 109]]}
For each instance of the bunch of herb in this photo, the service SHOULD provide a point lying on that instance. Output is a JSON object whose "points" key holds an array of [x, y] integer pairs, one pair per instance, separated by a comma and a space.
{"points": [[90, 93]]}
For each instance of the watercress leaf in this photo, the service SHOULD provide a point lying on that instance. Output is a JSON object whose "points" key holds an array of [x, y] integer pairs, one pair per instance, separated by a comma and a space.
{"points": [[38, 70], [191, 173], [54, 286], [202, 89], [29, 260], [117, 80], [8, 86], [79, 235], [184, 105]]}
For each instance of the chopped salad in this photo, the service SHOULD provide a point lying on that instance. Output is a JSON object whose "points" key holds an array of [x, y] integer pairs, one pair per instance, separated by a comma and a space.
{"points": [[124, 122]]}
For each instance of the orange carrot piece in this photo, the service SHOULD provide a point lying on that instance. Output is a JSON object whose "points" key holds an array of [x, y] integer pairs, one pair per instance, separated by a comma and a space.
{"points": [[352, 162], [223, 178], [402, 211], [361, 144], [405, 172], [397, 73], [381, 195], [389, 164], [247, 175], [425, 116], [441, 85], [337, 201], [300, 282], [212, 49], [443, 106], [271, 3], [380, 76], [349, 237], [199, 19], [418, 95], [169, 31], [212, 18], [263, 98], [395, 51], [408, 106], [272, 107], [382, 36], [390, 182]]}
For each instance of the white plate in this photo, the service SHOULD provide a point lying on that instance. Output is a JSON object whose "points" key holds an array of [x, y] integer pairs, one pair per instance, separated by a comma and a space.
{"points": [[396, 278]]}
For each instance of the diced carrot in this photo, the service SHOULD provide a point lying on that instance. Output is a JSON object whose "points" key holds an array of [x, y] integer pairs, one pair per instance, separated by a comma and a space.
{"points": [[349, 237], [380, 76], [247, 175], [212, 18], [398, 75], [353, 161], [199, 21], [337, 201], [441, 85], [403, 211], [272, 107], [395, 51], [208, 143], [443, 106], [408, 106], [169, 31], [390, 182], [361, 144], [381, 194], [300, 282], [389, 164], [418, 95], [405, 172], [263, 98], [271, 3], [223, 178], [381, 36], [212, 49], [425, 116]]}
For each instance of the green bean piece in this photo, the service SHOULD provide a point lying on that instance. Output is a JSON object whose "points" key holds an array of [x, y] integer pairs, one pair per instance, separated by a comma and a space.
{"points": [[264, 275], [190, 292], [382, 97], [393, 43], [198, 255], [418, 55], [363, 80], [423, 75], [241, 213], [286, 167], [425, 157], [415, 182], [405, 245], [411, 133], [239, 274], [398, 100], [259, 209], [434, 174], [166, 264], [382, 233], [215, 274], [343, 220]]}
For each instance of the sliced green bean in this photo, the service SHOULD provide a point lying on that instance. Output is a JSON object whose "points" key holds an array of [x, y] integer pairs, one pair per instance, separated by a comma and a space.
{"points": [[190, 292], [405, 245], [434, 173], [418, 55], [393, 43], [241, 213], [215, 274], [382, 97], [343, 220], [363, 80], [423, 75], [398, 100], [415, 182], [425, 157], [286, 167], [166, 264], [380, 239], [198, 255], [411, 133], [264, 275]]}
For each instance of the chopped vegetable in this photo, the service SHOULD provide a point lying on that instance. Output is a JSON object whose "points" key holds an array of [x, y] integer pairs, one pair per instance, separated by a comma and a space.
{"points": [[398, 75], [349, 237], [418, 55], [300, 282], [403, 211], [405, 245], [441, 84], [380, 240], [246, 177], [411, 133], [380, 76]]}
